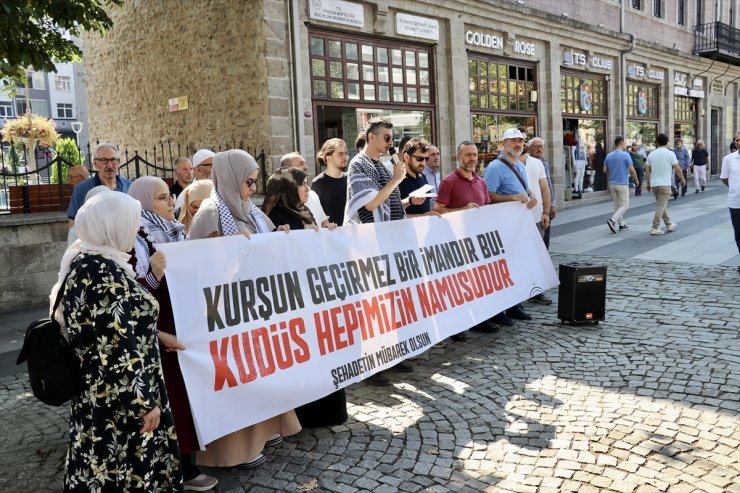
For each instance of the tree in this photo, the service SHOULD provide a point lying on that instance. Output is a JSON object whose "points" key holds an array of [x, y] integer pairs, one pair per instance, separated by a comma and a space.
{"points": [[67, 150], [35, 33]]}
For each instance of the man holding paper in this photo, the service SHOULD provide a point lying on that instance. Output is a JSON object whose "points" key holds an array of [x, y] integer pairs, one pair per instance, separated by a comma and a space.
{"points": [[414, 188]]}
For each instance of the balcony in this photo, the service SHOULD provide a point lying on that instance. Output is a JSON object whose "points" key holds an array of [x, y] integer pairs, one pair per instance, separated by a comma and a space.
{"points": [[719, 41]]}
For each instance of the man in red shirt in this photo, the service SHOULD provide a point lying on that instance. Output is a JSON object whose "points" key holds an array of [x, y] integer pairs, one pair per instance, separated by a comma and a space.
{"points": [[464, 189]]}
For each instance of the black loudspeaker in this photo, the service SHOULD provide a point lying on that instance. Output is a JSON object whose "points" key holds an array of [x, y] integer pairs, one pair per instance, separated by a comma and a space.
{"points": [[582, 293]]}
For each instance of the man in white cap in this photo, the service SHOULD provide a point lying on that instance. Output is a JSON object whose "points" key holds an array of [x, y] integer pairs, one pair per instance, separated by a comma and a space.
{"points": [[506, 180], [202, 164]]}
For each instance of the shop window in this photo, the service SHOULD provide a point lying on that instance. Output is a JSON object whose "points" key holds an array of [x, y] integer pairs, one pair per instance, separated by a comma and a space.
{"points": [[344, 69], [498, 86], [684, 109], [583, 95], [488, 130], [644, 133], [642, 101]]}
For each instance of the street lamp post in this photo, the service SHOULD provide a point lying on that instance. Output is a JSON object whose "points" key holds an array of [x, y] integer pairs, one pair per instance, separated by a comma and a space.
{"points": [[77, 128]]}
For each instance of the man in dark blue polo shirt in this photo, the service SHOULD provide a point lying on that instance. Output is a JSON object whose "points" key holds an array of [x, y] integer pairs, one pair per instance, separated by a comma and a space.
{"points": [[415, 153], [106, 161]]}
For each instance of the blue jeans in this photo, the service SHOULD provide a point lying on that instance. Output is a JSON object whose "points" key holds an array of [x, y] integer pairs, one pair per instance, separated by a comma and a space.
{"points": [[685, 181], [640, 175]]}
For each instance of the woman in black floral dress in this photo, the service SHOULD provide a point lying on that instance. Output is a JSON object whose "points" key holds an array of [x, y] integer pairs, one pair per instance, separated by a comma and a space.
{"points": [[122, 436]]}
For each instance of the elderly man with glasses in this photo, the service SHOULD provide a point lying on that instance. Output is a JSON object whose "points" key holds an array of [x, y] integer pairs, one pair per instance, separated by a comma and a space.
{"points": [[106, 161]]}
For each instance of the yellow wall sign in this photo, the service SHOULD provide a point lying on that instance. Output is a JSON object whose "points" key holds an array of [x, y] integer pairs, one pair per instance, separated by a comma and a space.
{"points": [[177, 104]]}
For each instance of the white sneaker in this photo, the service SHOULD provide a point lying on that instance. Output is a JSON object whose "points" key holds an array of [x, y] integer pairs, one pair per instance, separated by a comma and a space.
{"points": [[672, 227], [657, 231]]}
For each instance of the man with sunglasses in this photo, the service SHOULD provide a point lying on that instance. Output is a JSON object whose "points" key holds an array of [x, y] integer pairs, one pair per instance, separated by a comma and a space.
{"points": [[372, 192], [106, 161], [415, 154], [730, 176]]}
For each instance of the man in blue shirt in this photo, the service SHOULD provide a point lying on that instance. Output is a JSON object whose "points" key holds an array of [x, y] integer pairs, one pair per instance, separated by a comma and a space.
{"points": [[506, 180], [684, 161], [106, 161], [431, 172], [617, 167]]}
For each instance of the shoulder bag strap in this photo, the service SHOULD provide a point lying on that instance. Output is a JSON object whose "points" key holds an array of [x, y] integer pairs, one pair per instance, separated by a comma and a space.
{"points": [[516, 173]]}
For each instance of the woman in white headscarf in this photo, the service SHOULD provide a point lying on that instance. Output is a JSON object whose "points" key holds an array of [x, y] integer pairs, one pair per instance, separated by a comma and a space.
{"points": [[158, 226], [121, 427], [227, 212], [193, 196]]}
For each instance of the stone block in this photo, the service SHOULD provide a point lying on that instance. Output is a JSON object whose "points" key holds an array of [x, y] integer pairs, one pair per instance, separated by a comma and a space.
{"points": [[8, 235], [27, 259], [33, 234]]}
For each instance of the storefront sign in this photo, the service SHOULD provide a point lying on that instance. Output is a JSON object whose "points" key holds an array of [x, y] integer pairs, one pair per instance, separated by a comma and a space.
{"points": [[485, 40], [524, 48], [656, 74], [337, 11], [586, 98], [635, 71], [604, 63], [573, 58], [419, 27], [692, 93], [680, 78]]}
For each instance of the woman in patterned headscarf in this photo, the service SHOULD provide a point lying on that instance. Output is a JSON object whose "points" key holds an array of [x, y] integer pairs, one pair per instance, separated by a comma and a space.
{"points": [[229, 211], [158, 226], [122, 435]]}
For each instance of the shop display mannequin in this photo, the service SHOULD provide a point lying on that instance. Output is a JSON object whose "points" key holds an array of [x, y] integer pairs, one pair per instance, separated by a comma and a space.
{"points": [[579, 165]]}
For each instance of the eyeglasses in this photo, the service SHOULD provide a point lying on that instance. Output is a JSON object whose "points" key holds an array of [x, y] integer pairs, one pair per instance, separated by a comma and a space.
{"points": [[421, 159], [251, 182], [165, 197], [106, 160], [387, 138]]}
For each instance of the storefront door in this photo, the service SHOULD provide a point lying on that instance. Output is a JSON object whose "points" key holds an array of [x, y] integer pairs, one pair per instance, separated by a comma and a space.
{"points": [[584, 152]]}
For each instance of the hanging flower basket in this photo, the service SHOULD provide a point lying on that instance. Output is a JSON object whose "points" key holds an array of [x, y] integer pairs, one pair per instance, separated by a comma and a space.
{"points": [[31, 127]]}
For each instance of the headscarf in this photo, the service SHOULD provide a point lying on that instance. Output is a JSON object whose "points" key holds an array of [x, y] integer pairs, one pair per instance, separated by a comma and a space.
{"points": [[72, 235], [230, 170], [157, 228], [106, 225], [198, 190]]}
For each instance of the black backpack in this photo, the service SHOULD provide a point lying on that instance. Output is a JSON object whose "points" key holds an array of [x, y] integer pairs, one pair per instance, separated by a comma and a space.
{"points": [[53, 366]]}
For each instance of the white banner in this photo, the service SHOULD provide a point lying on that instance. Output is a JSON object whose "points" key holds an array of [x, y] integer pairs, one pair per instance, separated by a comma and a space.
{"points": [[277, 321]]}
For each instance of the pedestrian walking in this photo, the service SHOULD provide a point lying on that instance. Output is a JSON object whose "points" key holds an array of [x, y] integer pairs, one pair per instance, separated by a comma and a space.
{"points": [[684, 161], [638, 162], [660, 163], [617, 167], [699, 163], [730, 176]]}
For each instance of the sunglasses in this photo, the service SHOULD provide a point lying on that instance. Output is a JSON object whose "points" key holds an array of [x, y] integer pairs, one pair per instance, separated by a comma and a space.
{"points": [[421, 159], [388, 138], [104, 160], [251, 182]]}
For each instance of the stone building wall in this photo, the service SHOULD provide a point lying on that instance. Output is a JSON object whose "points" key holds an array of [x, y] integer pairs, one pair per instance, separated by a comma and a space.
{"points": [[212, 51], [31, 248]]}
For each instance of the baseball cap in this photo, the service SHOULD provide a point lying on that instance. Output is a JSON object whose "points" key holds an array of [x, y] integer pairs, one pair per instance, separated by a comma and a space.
{"points": [[201, 156], [514, 133]]}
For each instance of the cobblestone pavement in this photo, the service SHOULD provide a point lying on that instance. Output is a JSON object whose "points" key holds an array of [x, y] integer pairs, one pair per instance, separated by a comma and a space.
{"points": [[646, 401]]}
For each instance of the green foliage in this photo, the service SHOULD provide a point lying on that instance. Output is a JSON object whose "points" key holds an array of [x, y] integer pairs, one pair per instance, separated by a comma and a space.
{"points": [[67, 150], [34, 33]]}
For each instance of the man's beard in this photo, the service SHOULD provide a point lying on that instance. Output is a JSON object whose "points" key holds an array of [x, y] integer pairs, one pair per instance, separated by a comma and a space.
{"points": [[512, 152]]}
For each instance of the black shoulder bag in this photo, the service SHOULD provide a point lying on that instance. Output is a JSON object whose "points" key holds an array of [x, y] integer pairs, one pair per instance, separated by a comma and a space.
{"points": [[53, 366]]}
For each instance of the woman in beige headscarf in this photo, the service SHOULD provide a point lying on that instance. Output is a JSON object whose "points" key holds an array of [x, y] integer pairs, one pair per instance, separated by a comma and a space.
{"points": [[193, 196], [230, 210], [227, 212]]}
